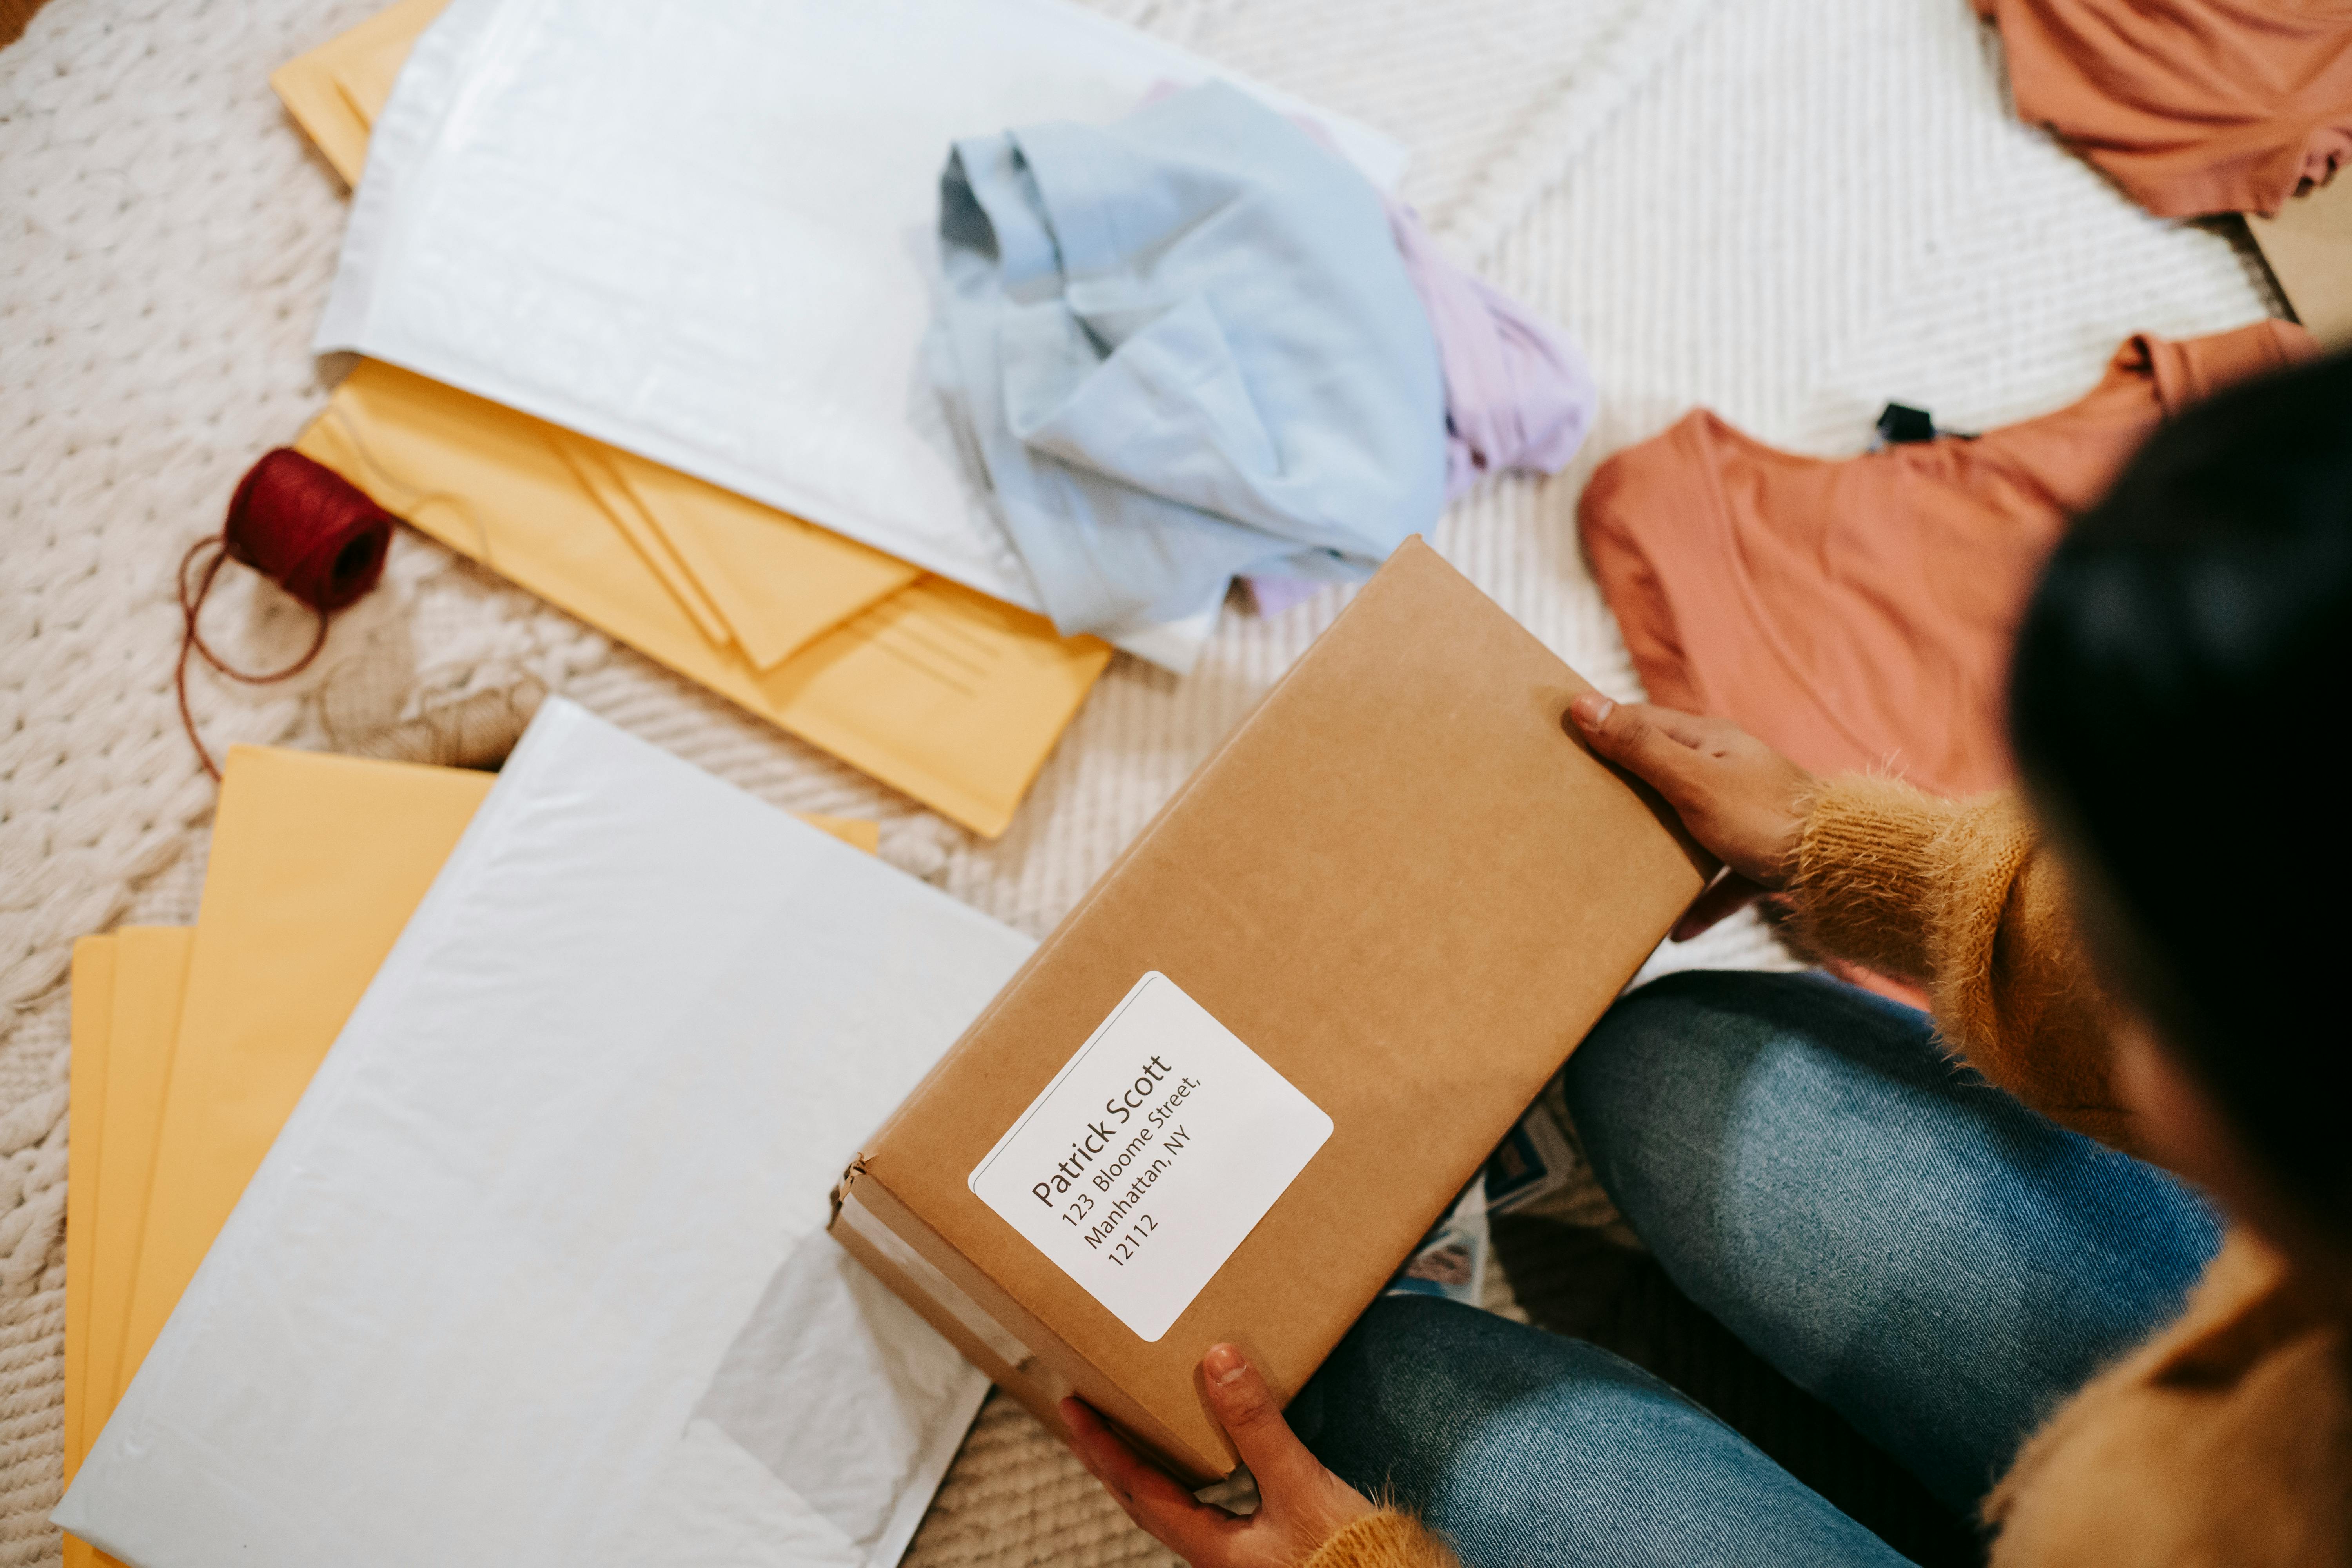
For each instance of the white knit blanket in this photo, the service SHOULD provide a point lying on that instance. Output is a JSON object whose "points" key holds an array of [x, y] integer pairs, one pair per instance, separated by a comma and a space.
{"points": [[1792, 210]]}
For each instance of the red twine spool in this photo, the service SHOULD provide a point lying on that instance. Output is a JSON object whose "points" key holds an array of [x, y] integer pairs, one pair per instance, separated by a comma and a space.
{"points": [[304, 527]]}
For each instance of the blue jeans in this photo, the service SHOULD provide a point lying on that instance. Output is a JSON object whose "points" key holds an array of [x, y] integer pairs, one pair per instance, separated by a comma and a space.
{"points": [[1937, 1263]]}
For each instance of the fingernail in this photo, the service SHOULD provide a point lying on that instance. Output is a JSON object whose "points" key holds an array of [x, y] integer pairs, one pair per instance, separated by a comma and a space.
{"points": [[1592, 709], [1224, 1363]]}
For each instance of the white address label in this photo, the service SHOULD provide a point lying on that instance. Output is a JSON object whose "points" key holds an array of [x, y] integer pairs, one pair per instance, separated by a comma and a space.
{"points": [[1150, 1156]]}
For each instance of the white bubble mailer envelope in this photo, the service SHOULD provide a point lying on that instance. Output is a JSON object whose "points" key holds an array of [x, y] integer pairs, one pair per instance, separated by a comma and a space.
{"points": [[537, 1272], [709, 234]]}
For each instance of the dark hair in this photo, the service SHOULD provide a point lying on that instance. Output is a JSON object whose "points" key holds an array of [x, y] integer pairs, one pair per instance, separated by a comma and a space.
{"points": [[2178, 695]]}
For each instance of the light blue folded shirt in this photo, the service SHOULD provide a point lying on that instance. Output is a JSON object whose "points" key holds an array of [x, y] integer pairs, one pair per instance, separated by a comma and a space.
{"points": [[1185, 348]]}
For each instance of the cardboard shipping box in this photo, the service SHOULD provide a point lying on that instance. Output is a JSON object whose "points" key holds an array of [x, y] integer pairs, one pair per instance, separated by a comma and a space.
{"points": [[1229, 1093], [2308, 248]]}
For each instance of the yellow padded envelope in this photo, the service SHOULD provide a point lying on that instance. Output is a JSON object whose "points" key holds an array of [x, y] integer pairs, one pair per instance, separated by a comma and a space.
{"points": [[317, 863], [944, 693], [151, 972], [190, 1048], [127, 989]]}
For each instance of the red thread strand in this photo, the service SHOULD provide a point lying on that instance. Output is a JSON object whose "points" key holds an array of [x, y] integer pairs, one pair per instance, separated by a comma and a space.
{"points": [[304, 527]]}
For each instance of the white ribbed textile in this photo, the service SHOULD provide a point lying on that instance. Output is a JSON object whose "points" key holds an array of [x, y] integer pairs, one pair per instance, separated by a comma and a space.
{"points": [[1790, 209]]}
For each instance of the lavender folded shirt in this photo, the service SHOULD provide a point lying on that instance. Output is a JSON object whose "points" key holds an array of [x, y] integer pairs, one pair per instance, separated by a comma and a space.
{"points": [[1518, 394]]}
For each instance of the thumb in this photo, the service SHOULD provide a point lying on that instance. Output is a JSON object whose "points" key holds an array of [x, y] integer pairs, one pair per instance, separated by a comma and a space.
{"points": [[1245, 1406], [1625, 734]]}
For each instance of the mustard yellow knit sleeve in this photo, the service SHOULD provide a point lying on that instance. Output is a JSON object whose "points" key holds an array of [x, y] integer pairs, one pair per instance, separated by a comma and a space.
{"points": [[1963, 897], [1384, 1539]]}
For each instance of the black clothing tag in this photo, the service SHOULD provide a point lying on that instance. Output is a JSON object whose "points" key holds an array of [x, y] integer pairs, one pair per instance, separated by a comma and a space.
{"points": [[1899, 423]]}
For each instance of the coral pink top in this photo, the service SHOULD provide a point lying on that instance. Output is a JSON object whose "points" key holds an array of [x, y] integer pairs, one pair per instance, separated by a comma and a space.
{"points": [[2192, 106], [1858, 615]]}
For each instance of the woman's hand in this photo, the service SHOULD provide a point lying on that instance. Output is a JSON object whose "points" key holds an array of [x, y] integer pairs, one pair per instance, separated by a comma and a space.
{"points": [[1300, 1504], [1740, 798]]}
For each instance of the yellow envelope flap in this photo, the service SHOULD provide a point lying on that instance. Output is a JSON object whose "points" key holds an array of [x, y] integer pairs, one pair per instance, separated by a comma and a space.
{"points": [[779, 582], [592, 463], [335, 92], [151, 972]]}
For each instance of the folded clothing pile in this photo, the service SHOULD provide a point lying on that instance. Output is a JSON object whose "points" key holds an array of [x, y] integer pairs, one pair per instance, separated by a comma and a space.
{"points": [[1176, 346], [704, 244], [528, 1265]]}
